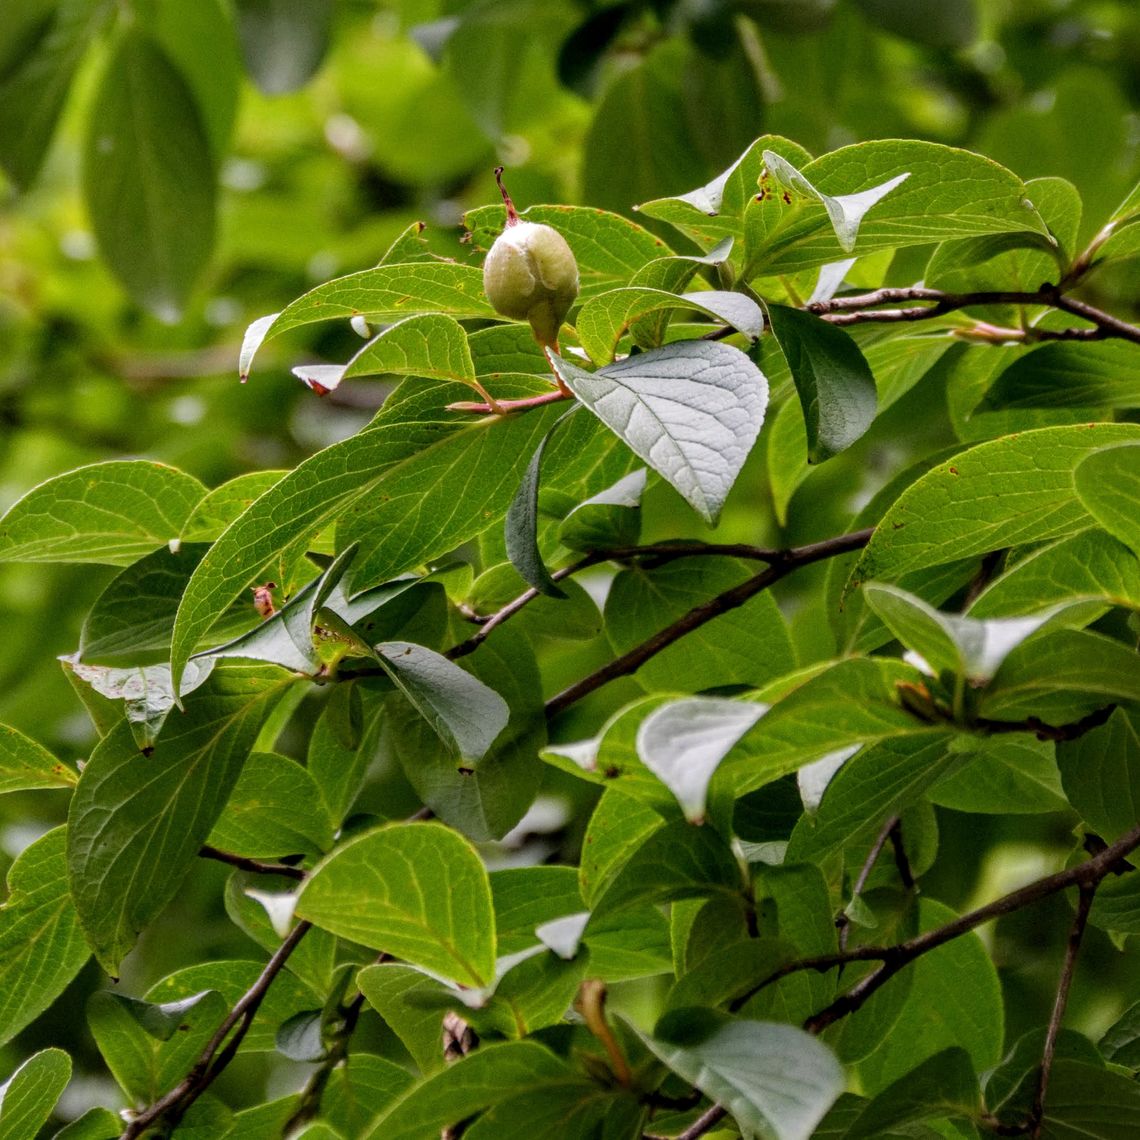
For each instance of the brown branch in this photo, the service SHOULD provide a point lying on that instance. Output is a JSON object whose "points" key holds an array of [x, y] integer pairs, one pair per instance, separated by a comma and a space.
{"points": [[170, 1108], [864, 308], [1064, 984], [257, 866], [902, 863], [781, 566], [894, 958], [699, 1126]]}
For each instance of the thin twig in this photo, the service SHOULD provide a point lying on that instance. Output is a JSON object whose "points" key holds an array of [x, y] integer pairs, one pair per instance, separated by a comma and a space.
{"points": [[864, 308], [902, 862], [257, 866], [210, 1064], [865, 874], [1072, 949], [703, 1123], [699, 615], [894, 958]]}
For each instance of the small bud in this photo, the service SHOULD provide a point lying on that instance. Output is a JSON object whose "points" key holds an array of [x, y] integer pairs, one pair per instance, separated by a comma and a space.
{"points": [[530, 274]]}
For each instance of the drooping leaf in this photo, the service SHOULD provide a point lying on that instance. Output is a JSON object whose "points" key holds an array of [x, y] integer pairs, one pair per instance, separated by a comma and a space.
{"points": [[417, 891], [521, 526], [38, 912], [683, 742], [1085, 1102], [834, 382], [465, 713], [1108, 484], [149, 176], [1013, 775], [40, 51], [113, 513], [691, 410], [30, 1093], [1012, 490], [136, 821], [283, 41], [610, 518], [147, 1046], [775, 1080]]}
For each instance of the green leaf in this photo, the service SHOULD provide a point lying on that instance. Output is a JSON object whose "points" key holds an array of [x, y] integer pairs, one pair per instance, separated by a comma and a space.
{"points": [[148, 1047], [832, 377], [609, 249], [610, 518], [1108, 484], [484, 803], [603, 321], [1061, 375], [678, 861], [146, 692], [1012, 1085], [466, 714], [100, 1124], [748, 645], [113, 513], [1121, 1041], [942, 1085], [225, 503], [283, 41], [418, 891], [271, 811], [853, 701], [133, 617], [1088, 1103], [775, 1080], [30, 1093], [486, 1077], [876, 783], [1012, 490], [24, 764], [573, 1110], [40, 51], [683, 742], [1004, 776], [414, 443], [691, 410], [149, 177], [385, 293], [964, 646], [391, 989], [618, 829], [845, 211], [38, 912], [136, 821], [361, 1090], [231, 979], [430, 345], [521, 525], [1101, 774], [1062, 677], [948, 193], [935, 23], [1089, 564], [955, 1000]]}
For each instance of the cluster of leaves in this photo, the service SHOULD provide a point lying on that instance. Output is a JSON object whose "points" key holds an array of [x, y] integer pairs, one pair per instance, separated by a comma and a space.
{"points": [[975, 649]]}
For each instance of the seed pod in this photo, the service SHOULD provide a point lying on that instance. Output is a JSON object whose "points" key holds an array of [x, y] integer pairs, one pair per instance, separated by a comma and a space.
{"points": [[530, 274]]}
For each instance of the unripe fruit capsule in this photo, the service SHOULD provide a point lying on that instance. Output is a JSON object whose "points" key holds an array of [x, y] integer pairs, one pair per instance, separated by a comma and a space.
{"points": [[530, 274]]}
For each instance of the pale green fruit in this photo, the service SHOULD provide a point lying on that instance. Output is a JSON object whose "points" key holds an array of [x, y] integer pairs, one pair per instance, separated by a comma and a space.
{"points": [[530, 273]]}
